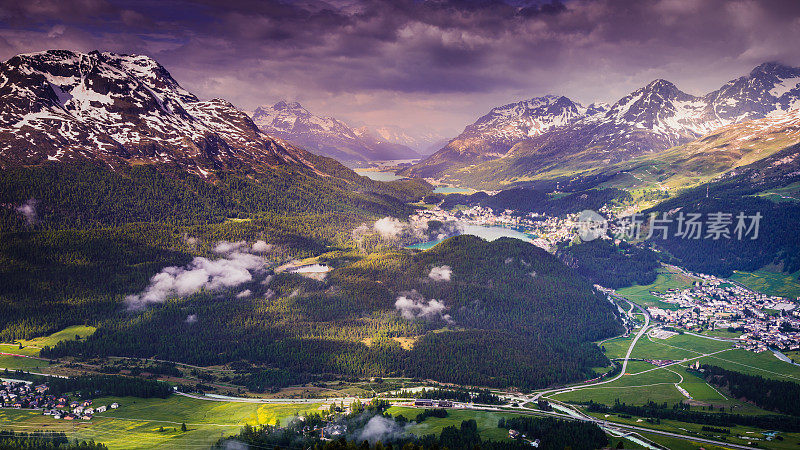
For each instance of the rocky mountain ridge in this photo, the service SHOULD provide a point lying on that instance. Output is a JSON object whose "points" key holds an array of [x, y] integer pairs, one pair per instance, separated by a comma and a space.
{"points": [[327, 136], [650, 119]]}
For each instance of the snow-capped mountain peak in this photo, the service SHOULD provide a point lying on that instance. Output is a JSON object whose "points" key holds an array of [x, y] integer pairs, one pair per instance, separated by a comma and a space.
{"points": [[652, 118], [324, 135], [64, 105], [287, 118], [526, 118], [770, 88]]}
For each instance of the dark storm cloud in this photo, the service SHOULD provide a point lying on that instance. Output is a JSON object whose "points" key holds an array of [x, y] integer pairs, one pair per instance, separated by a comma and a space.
{"points": [[412, 63]]}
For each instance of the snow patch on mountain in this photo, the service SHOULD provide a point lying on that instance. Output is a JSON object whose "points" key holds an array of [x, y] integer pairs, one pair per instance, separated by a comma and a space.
{"points": [[325, 135], [652, 118], [61, 105]]}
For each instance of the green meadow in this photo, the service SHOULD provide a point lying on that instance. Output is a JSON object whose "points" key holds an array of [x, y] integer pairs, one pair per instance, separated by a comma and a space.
{"points": [[668, 278], [20, 363], [31, 347], [486, 420], [771, 283], [150, 423]]}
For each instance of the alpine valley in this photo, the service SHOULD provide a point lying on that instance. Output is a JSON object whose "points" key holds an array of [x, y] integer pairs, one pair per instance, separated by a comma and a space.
{"points": [[224, 273]]}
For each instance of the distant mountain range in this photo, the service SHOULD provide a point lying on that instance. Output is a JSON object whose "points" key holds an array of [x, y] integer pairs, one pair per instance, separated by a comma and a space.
{"points": [[328, 136], [123, 109], [60, 110], [61, 105], [424, 142], [558, 136], [494, 134]]}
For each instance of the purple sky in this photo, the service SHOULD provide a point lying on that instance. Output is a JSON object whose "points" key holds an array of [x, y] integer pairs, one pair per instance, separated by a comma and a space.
{"points": [[420, 65]]}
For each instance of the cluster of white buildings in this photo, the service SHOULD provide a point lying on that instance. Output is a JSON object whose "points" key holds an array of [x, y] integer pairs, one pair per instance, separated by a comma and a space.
{"points": [[23, 394], [545, 231], [78, 410], [716, 304]]}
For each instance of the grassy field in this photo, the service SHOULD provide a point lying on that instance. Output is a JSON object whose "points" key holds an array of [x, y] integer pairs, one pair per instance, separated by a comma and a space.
{"points": [[739, 434], [486, 420], [27, 364], [138, 423], [721, 333], [668, 278], [764, 364], [679, 444], [31, 347], [676, 347], [643, 382], [771, 283], [694, 343], [639, 385]]}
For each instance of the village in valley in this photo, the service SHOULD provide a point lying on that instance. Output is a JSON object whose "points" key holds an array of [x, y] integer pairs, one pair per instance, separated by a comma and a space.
{"points": [[21, 394], [714, 303], [542, 230]]}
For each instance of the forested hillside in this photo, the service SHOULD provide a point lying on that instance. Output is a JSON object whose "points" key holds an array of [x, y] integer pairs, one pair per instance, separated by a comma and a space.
{"points": [[88, 195], [525, 200], [77, 237], [744, 190], [611, 265], [505, 308]]}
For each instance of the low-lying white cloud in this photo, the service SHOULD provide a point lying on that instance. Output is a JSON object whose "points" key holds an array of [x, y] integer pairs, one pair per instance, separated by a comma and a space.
{"points": [[380, 428], [441, 273], [389, 227], [412, 305], [191, 318], [311, 268], [261, 246], [417, 229], [28, 211], [235, 267]]}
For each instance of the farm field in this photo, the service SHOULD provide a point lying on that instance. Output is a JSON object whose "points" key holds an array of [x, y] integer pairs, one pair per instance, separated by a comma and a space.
{"points": [[21, 363], [486, 420], [31, 347], [668, 278], [770, 283], [138, 422]]}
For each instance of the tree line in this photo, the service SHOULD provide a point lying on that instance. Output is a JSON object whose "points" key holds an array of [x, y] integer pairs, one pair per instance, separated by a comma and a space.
{"points": [[683, 413], [774, 395]]}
